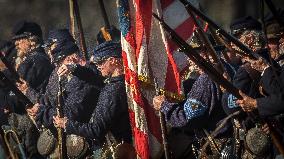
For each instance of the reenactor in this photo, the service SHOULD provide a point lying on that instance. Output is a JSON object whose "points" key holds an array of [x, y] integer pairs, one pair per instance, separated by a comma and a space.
{"points": [[79, 97], [110, 119]]}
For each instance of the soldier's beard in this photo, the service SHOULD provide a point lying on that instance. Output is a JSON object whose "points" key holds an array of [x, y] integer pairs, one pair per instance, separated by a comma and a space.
{"points": [[21, 53]]}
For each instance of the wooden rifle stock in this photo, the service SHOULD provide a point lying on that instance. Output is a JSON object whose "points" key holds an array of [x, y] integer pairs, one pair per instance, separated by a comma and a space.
{"points": [[61, 134], [248, 52], [199, 61]]}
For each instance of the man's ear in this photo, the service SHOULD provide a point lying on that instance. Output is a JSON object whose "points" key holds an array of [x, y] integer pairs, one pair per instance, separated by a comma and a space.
{"points": [[112, 60]]}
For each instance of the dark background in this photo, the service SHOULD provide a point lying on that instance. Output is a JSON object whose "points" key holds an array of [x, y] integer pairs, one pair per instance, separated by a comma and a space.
{"points": [[52, 14]]}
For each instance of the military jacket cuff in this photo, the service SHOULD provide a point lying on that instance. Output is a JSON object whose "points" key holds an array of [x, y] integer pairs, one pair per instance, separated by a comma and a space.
{"points": [[166, 106], [68, 127]]}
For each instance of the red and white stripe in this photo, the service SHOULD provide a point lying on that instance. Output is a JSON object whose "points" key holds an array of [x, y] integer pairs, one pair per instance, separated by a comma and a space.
{"points": [[148, 53]]}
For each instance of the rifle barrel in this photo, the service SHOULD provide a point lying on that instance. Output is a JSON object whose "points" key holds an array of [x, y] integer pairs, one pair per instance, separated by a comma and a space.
{"points": [[80, 28], [198, 60], [231, 38]]}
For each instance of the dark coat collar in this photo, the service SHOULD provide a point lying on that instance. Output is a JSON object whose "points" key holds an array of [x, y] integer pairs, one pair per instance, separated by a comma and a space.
{"points": [[115, 79]]}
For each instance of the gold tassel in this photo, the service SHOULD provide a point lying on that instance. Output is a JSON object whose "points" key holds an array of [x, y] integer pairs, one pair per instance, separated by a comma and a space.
{"points": [[106, 34]]}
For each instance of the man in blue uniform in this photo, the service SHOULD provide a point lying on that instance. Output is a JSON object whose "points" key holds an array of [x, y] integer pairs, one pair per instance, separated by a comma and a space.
{"points": [[111, 113], [32, 63]]}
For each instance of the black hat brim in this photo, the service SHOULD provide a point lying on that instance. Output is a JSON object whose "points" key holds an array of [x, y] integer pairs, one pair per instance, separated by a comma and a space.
{"points": [[18, 37]]}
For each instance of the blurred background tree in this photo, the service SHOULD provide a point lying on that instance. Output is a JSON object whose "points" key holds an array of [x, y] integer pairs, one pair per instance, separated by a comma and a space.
{"points": [[52, 14]]}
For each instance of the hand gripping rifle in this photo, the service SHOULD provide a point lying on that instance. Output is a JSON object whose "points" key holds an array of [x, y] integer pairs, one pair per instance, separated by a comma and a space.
{"points": [[163, 125], [212, 73], [247, 52], [61, 134]]}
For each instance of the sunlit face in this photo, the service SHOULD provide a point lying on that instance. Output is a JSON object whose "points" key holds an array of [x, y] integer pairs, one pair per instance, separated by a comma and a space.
{"points": [[49, 51], [107, 66], [22, 46], [71, 59], [273, 45], [258, 64]]}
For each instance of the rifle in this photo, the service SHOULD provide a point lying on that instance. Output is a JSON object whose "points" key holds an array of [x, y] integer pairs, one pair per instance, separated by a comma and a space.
{"points": [[220, 41], [61, 134], [198, 60], [212, 73], [205, 40], [80, 28], [247, 52]]}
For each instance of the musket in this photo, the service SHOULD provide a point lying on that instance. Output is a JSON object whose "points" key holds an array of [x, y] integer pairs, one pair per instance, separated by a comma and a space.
{"points": [[198, 60], [205, 40], [61, 134], [163, 125], [247, 52], [220, 41], [80, 29], [212, 73]]}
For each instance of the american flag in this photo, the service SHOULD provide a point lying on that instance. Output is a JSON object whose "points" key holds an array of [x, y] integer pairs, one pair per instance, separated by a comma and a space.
{"points": [[148, 54]]}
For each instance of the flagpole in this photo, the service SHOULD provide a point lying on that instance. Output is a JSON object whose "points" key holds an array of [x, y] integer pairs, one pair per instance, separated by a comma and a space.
{"points": [[163, 125]]}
